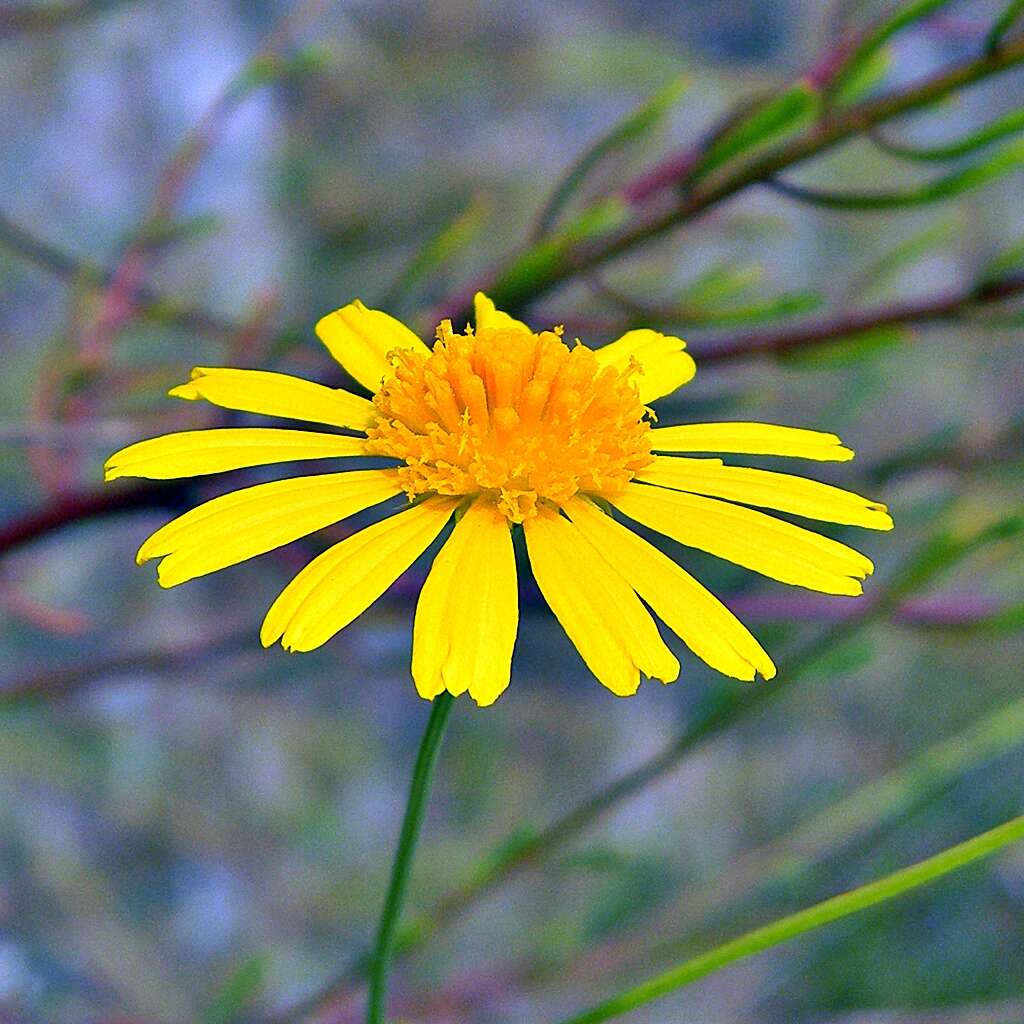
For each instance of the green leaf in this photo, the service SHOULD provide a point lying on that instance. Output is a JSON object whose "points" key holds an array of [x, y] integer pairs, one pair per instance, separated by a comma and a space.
{"points": [[1008, 124], [791, 110], [773, 307], [850, 819], [946, 549], [905, 255], [1009, 261], [238, 991], [439, 250], [1009, 158], [273, 67], [794, 925], [1002, 25], [721, 282], [163, 231], [539, 261], [878, 36], [630, 130], [846, 351], [864, 78]]}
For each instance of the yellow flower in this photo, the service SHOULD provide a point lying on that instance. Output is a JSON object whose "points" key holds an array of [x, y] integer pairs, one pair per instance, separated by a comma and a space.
{"points": [[508, 428]]}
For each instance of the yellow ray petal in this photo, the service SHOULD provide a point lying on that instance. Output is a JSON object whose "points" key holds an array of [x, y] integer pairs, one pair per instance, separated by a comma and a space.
{"points": [[661, 362], [597, 608], [360, 339], [244, 523], [487, 315], [276, 394], [339, 585], [752, 539], [750, 439], [198, 452], [692, 612], [468, 611], [780, 491]]}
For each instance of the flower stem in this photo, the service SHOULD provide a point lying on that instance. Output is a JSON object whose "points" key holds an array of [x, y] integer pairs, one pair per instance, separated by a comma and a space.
{"points": [[419, 792]]}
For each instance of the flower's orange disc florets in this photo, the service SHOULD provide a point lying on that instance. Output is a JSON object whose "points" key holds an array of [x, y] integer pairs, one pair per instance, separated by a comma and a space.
{"points": [[516, 415]]}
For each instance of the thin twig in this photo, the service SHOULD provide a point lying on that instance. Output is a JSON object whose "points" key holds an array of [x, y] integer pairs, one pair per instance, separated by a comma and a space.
{"points": [[847, 325], [75, 269], [822, 136]]}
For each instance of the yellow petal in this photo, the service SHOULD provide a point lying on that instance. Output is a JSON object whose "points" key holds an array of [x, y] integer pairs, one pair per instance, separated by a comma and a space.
{"points": [[244, 523], [750, 439], [693, 613], [597, 608], [780, 491], [339, 585], [752, 539], [486, 315], [276, 394], [468, 611], [660, 360], [360, 339], [197, 452]]}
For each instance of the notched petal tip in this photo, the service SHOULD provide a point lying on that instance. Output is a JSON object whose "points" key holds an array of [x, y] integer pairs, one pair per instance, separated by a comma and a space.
{"points": [[188, 390], [166, 578]]}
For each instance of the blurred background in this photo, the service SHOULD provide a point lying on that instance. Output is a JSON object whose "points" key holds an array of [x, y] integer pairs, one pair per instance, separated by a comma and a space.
{"points": [[194, 829]]}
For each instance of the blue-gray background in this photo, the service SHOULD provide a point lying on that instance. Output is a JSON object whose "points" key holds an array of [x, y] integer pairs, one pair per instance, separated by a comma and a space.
{"points": [[177, 804]]}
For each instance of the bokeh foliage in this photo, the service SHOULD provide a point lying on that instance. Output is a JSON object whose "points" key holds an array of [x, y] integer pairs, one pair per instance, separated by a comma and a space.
{"points": [[823, 198]]}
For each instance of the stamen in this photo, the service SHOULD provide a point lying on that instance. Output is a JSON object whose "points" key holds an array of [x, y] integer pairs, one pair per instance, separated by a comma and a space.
{"points": [[515, 415]]}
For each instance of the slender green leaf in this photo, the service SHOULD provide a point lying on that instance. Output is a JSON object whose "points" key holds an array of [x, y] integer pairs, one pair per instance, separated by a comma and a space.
{"points": [[879, 35], [163, 231], [946, 549], [1008, 124], [630, 130], [537, 262], [1010, 158], [909, 252], [773, 307], [892, 796], [274, 67], [790, 110], [864, 78], [720, 283], [1002, 25], [788, 928], [439, 250], [847, 350], [238, 991], [1009, 261]]}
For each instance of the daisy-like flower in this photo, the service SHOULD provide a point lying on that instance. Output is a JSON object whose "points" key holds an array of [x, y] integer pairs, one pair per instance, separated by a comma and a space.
{"points": [[510, 429]]}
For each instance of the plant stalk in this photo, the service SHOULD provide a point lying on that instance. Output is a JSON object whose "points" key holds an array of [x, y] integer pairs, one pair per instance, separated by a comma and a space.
{"points": [[412, 823]]}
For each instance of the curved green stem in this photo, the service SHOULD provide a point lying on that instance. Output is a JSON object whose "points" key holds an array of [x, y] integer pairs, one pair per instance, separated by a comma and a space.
{"points": [[419, 792], [790, 927]]}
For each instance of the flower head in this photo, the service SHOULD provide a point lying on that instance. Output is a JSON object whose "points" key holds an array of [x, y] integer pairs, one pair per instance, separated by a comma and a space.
{"points": [[501, 428]]}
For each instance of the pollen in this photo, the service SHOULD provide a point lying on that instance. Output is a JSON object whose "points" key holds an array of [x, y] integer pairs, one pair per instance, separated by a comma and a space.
{"points": [[519, 417]]}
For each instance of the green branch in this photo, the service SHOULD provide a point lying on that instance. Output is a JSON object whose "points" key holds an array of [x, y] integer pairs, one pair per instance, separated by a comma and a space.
{"points": [[823, 135], [794, 925]]}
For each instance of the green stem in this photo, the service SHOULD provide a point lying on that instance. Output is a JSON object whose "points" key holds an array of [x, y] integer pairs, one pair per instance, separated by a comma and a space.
{"points": [[412, 823], [787, 928]]}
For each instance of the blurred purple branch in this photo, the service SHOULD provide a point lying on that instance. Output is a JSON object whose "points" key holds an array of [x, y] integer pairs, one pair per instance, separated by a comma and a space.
{"points": [[92, 503], [75, 269], [847, 325], [67, 679], [18, 18], [88, 504], [837, 126]]}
